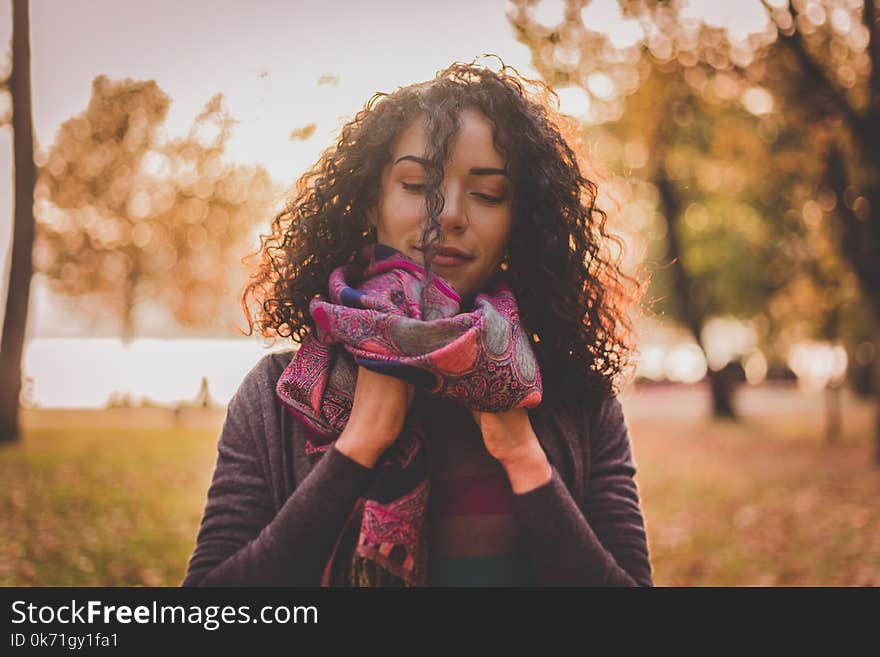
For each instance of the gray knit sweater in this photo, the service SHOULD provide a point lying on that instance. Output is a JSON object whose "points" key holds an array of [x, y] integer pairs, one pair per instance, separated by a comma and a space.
{"points": [[273, 513]]}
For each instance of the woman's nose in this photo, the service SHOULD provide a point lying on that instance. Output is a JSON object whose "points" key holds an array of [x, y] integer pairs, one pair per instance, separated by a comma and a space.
{"points": [[453, 217]]}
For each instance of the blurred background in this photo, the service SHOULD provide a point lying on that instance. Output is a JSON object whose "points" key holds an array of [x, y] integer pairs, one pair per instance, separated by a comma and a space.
{"points": [[144, 147]]}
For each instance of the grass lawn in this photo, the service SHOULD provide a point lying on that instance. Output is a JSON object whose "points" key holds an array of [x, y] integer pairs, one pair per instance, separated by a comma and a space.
{"points": [[764, 502], [102, 507]]}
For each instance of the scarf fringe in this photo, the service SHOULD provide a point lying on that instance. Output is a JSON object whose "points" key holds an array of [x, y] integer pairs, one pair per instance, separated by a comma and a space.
{"points": [[367, 573]]}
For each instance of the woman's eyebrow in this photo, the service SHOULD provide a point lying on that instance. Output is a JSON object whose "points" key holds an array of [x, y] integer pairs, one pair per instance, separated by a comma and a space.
{"points": [[476, 171], [420, 160]]}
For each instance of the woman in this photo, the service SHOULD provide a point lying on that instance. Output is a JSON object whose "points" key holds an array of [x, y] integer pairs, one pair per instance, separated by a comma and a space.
{"points": [[450, 417]]}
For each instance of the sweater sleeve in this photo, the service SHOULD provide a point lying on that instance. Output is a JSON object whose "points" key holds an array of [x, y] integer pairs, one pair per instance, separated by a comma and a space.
{"points": [[241, 541], [606, 545]]}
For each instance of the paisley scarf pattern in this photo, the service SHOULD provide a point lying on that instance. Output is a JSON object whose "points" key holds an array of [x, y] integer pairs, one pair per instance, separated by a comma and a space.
{"points": [[383, 314]]}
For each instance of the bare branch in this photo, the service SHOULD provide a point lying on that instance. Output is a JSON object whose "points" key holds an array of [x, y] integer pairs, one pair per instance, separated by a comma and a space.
{"points": [[837, 97]]}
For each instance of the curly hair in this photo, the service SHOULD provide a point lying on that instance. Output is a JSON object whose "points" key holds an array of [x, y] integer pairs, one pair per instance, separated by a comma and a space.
{"points": [[572, 295]]}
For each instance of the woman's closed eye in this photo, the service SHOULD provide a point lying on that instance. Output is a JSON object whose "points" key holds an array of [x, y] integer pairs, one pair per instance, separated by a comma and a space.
{"points": [[489, 198], [420, 188]]}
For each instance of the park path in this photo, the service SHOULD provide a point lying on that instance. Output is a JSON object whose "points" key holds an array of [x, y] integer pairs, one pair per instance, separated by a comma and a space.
{"points": [[659, 401]]}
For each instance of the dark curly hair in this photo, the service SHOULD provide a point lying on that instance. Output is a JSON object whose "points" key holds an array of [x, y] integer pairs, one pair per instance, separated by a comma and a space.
{"points": [[572, 295]]}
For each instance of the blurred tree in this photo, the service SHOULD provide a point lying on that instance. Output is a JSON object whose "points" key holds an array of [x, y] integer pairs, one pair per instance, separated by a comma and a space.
{"points": [[677, 149], [15, 320], [826, 51], [124, 218], [714, 246]]}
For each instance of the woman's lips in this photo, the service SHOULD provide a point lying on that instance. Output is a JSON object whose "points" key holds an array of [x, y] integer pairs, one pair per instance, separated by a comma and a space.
{"points": [[442, 260], [448, 258]]}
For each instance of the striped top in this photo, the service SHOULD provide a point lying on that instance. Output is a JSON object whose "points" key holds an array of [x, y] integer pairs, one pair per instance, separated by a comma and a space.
{"points": [[472, 538]]}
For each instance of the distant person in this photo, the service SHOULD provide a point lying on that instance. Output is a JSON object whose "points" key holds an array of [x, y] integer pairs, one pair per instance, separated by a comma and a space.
{"points": [[203, 396], [451, 415]]}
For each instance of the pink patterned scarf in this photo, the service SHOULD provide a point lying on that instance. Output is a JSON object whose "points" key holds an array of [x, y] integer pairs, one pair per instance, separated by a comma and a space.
{"points": [[480, 359]]}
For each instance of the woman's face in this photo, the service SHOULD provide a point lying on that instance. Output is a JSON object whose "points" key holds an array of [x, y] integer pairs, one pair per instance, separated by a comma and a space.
{"points": [[476, 217]]}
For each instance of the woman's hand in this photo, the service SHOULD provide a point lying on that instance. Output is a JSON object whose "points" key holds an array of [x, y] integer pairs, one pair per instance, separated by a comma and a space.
{"points": [[380, 406], [509, 438]]}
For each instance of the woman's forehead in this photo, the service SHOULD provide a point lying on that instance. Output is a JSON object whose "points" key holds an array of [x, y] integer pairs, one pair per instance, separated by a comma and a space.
{"points": [[472, 142]]}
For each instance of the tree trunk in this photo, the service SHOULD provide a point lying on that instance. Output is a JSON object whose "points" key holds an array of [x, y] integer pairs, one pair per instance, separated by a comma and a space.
{"points": [[833, 414], [128, 301], [722, 394], [834, 388], [692, 315], [21, 266], [859, 244], [875, 389]]}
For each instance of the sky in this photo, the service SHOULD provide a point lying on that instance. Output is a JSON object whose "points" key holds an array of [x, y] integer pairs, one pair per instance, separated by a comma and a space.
{"points": [[266, 57]]}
